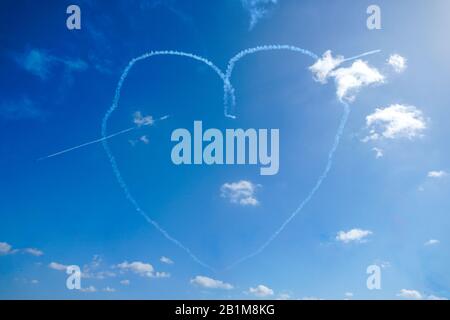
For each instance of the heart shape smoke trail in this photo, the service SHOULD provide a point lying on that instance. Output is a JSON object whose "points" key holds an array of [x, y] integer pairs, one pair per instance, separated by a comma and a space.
{"points": [[229, 103]]}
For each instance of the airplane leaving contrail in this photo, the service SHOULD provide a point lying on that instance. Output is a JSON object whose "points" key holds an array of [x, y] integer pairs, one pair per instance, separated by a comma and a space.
{"points": [[101, 139]]}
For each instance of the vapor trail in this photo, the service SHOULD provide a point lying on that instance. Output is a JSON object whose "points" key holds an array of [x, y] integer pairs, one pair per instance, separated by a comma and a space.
{"points": [[87, 143], [97, 140], [362, 55]]}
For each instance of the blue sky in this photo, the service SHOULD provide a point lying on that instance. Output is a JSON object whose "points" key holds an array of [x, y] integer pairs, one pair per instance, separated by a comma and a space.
{"points": [[382, 202]]}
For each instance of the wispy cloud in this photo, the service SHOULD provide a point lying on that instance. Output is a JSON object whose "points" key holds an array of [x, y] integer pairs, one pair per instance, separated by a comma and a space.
{"points": [[140, 120], [284, 296], [348, 295], [41, 63], [34, 252], [241, 192], [437, 174], [257, 9], [141, 268], [416, 295], [23, 108], [431, 242], [125, 282], [409, 294], [210, 283], [58, 266], [261, 291], [95, 270], [6, 249], [89, 289], [395, 121], [433, 297], [354, 235], [311, 298]]}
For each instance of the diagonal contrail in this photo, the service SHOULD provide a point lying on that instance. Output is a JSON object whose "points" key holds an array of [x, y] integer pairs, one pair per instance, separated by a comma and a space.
{"points": [[96, 140], [362, 55]]}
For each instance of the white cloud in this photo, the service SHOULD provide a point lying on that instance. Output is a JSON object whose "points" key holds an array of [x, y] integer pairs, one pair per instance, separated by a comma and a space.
{"points": [[410, 294], [89, 289], [323, 67], [109, 289], [34, 281], [144, 139], [5, 248], [433, 297], [395, 121], [261, 291], [416, 295], [257, 9], [354, 235], [242, 192], [140, 120], [350, 80], [437, 174], [125, 282], [349, 295], [33, 252], [166, 260], [57, 266], [378, 152], [431, 242], [210, 283], [142, 269], [162, 275], [284, 296], [397, 62]]}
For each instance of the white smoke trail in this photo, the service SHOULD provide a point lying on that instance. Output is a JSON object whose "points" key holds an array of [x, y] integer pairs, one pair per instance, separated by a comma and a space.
{"points": [[311, 194], [112, 160], [229, 90], [229, 94]]}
